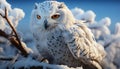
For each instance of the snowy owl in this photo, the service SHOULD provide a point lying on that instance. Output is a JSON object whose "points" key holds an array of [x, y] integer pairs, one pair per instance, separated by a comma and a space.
{"points": [[61, 38]]}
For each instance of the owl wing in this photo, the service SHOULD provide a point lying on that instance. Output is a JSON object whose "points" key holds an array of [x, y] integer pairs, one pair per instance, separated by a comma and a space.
{"points": [[81, 43]]}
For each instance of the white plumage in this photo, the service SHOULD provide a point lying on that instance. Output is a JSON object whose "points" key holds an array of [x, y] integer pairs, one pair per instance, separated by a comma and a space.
{"points": [[61, 38]]}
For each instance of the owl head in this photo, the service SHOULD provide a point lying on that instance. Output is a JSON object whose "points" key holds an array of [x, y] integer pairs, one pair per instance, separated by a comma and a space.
{"points": [[49, 15]]}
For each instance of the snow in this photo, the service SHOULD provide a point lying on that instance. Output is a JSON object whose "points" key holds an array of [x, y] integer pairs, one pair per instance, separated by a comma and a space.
{"points": [[117, 29], [2, 24], [26, 48], [88, 16], [29, 62], [113, 56], [3, 4], [16, 15], [77, 12], [105, 21], [100, 29], [2, 12]]}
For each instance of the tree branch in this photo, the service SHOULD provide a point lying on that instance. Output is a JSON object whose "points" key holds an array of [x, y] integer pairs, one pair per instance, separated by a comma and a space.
{"points": [[14, 40], [3, 34]]}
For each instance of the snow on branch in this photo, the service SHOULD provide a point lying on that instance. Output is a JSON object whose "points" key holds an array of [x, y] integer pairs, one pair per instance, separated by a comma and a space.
{"points": [[29, 63]]}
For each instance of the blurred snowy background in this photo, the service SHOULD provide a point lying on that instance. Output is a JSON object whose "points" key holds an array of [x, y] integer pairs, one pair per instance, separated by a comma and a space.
{"points": [[101, 16]]}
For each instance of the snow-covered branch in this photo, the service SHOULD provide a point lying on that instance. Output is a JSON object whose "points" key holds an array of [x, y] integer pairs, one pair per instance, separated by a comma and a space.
{"points": [[14, 40]]}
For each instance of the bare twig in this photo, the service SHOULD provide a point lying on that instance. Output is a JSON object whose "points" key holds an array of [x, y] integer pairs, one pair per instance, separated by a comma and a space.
{"points": [[10, 24], [15, 41], [6, 58]]}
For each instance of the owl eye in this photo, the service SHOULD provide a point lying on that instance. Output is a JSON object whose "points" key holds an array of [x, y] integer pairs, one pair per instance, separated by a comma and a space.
{"points": [[56, 16], [38, 17]]}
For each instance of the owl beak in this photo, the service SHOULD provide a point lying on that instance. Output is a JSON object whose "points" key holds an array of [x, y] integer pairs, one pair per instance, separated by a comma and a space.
{"points": [[46, 24]]}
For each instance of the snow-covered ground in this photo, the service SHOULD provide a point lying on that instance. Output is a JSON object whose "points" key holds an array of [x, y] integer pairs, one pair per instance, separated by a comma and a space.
{"points": [[100, 28]]}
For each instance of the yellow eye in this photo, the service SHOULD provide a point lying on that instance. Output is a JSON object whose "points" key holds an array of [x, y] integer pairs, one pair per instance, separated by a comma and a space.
{"points": [[56, 16], [38, 17]]}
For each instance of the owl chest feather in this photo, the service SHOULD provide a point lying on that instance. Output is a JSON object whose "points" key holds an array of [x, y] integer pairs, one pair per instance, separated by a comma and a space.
{"points": [[53, 45], [58, 48]]}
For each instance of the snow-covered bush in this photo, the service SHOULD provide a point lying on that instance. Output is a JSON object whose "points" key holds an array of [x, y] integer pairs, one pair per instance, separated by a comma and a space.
{"points": [[103, 35]]}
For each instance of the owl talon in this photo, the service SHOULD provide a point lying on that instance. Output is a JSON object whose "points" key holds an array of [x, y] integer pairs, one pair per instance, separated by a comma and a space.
{"points": [[44, 60]]}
